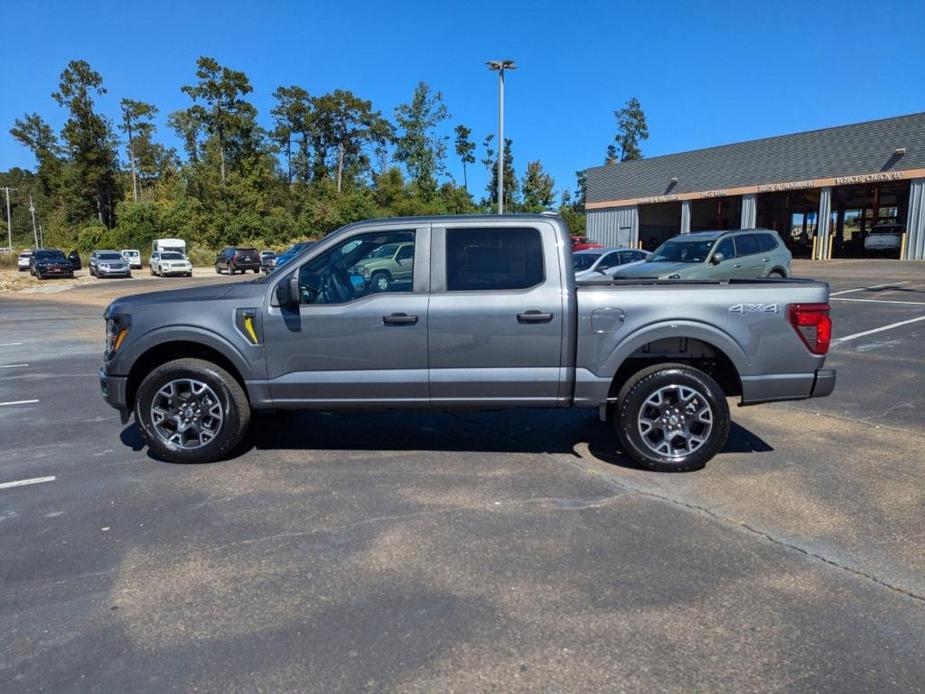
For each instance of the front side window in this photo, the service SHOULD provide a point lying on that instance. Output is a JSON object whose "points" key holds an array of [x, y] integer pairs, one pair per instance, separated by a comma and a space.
{"points": [[608, 261], [680, 251], [727, 248], [362, 265], [493, 259], [584, 261]]}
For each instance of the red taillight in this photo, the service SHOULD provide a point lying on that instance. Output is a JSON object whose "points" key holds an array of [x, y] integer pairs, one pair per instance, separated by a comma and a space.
{"points": [[813, 325]]}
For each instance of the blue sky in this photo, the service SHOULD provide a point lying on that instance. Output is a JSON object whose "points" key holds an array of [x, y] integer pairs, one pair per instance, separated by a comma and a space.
{"points": [[706, 73]]}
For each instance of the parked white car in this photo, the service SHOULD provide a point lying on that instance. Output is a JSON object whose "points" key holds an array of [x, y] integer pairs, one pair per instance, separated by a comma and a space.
{"points": [[164, 263], [884, 237], [601, 262], [132, 257], [22, 263]]}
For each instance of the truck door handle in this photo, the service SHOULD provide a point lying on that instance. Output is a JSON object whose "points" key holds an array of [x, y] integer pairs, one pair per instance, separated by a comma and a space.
{"points": [[765, 260], [534, 317], [399, 319], [737, 265]]}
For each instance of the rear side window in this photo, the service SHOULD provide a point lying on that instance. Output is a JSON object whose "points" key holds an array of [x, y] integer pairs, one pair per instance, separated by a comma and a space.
{"points": [[493, 259], [747, 244], [766, 242]]}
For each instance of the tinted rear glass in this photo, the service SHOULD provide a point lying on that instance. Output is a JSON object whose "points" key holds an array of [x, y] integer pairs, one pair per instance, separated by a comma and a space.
{"points": [[109, 256], [49, 255], [493, 259], [171, 256], [747, 244]]}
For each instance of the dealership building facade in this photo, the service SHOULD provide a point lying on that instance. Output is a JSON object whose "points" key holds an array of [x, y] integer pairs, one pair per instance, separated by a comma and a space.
{"points": [[823, 191]]}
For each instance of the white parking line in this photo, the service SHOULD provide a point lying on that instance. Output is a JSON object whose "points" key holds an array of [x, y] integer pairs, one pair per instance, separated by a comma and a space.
{"points": [[23, 483], [12, 366], [878, 330], [879, 301], [875, 286], [17, 402]]}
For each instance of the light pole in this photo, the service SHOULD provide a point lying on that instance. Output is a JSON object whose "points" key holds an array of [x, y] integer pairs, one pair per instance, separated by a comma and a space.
{"points": [[35, 232], [500, 66], [9, 219]]}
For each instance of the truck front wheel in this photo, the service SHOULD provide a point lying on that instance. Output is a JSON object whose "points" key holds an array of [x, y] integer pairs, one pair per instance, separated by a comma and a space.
{"points": [[671, 418], [191, 411]]}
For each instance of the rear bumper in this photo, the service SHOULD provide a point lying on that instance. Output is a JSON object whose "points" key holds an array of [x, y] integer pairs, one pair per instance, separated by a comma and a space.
{"points": [[777, 387]]}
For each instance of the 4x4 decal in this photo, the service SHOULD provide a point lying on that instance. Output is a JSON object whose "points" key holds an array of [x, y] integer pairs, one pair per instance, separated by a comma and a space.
{"points": [[743, 309]]}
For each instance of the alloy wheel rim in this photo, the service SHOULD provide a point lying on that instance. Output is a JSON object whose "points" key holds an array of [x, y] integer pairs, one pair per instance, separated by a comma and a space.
{"points": [[675, 421], [186, 413]]}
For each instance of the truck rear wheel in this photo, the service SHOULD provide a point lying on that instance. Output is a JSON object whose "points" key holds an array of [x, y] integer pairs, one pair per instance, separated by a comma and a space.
{"points": [[671, 418], [191, 411]]}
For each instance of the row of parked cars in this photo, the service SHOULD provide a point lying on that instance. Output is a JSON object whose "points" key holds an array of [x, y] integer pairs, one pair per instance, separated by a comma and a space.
{"points": [[733, 254]]}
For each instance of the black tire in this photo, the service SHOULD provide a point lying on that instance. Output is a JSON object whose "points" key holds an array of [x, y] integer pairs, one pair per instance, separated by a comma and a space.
{"points": [[776, 275], [38, 275], [189, 274], [380, 281], [218, 270], [628, 414], [235, 409]]}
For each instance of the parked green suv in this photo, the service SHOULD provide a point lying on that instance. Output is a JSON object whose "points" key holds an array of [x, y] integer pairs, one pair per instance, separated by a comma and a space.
{"points": [[714, 255], [388, 264]]}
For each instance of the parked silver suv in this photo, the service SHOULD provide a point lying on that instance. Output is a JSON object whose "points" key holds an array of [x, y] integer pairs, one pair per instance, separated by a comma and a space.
{"points": [[715, 255]]}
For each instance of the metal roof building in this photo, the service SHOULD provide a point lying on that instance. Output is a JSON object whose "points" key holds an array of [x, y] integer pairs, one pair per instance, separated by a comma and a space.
{"points": [[850, 178]]}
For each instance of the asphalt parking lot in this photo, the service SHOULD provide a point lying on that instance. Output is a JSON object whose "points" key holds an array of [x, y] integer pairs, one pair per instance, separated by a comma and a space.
{"points": [[505, 551]]}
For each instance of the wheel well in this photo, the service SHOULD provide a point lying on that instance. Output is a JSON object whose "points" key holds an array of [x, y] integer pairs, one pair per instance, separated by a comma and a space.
{"points": [[382, 271], [168, 351], [697, 353]]}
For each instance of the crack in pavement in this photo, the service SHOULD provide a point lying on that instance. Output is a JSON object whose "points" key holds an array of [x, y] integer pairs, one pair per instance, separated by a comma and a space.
{"points": [[744, 525], [726, 520]]}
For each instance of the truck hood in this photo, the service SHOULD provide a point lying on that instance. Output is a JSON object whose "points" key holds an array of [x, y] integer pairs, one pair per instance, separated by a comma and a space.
{"points": [[646, 270], [242, 290]]}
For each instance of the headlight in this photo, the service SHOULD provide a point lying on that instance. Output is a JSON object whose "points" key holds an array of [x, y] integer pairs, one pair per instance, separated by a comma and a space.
{"points": [[116, 329]]}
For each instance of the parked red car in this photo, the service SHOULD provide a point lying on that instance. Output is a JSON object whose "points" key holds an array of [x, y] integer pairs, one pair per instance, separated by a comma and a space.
{"points": [[581, 243]]}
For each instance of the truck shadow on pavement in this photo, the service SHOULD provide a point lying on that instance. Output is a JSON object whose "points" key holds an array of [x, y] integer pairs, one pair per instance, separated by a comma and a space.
{"points": [[509, 431]]}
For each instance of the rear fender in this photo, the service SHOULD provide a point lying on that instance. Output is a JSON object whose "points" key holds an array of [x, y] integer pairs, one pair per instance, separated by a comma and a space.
{"points": [[718, 339]]}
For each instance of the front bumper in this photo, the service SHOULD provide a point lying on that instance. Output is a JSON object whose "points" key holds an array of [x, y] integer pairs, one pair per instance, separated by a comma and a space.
{"points": [[59, 272], [113, 273], [113, 389], [176, 271], [778, 387]]}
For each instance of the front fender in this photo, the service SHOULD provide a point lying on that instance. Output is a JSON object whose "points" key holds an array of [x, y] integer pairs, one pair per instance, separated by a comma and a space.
{"points": [[249, 366]]}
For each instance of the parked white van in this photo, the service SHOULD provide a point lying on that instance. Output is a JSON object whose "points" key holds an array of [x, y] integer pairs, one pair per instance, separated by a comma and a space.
{"points": [[178, 245]]}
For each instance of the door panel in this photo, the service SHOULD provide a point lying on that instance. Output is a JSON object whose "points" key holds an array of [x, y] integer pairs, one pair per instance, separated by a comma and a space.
{"points": [[369, 351], [495, 347]]}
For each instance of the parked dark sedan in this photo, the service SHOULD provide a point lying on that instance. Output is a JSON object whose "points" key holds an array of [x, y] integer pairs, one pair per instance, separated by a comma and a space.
{"points": [[50, 262], [267, 261], [76, 262]]}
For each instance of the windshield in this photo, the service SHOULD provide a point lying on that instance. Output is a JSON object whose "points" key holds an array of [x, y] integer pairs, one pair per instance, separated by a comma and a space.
{"points": [[169, 255], [584, 261], [49, 255], [109, 256], [681, 252]]}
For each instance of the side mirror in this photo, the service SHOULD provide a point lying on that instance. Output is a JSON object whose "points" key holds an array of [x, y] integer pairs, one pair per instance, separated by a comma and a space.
{"points": [[287, 292], [717, 258]]}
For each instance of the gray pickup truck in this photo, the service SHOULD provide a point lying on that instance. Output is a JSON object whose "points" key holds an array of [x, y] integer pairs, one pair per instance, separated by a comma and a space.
{"points": [[489, 317]]}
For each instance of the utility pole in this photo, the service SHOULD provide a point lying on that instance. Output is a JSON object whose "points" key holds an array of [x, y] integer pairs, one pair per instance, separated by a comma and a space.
{"points": [[9, 219], [500, 66], [35, 232], [41, 236]]}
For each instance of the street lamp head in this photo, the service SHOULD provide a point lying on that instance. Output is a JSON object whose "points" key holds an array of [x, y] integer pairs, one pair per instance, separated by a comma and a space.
{"points": [[501, 65]]}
